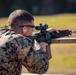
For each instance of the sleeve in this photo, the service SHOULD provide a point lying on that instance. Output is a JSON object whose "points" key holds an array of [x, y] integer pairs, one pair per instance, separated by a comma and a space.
{"points": [[35, 61]]}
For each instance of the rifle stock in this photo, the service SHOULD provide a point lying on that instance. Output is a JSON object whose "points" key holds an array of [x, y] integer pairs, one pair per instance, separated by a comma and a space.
{"points": [[59, 41], [48, 52]]}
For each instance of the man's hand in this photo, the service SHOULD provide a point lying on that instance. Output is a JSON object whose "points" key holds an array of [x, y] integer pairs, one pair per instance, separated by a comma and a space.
{"points": [[40, 45], [43, 45], [53, 29]]}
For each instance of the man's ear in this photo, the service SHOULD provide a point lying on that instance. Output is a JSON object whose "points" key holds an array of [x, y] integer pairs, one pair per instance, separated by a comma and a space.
{"points": [[24, 29]]}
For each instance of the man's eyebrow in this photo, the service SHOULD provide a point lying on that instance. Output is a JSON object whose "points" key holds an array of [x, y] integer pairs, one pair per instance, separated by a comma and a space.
{"points": [[27, 26]]}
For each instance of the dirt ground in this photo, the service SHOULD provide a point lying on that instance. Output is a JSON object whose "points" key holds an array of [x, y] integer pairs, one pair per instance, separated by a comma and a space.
{"points": [[57, 70], [60, 70]]}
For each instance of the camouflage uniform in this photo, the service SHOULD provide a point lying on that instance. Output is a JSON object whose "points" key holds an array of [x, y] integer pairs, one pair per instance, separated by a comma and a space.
{"points": [[15, 51]]}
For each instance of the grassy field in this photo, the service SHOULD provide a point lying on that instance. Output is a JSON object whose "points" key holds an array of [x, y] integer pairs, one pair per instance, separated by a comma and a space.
{"points": [[63, 55]]}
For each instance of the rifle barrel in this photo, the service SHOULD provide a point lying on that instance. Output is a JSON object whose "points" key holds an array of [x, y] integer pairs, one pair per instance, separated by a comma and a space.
{"points": [[73, 31], [63, 40]]}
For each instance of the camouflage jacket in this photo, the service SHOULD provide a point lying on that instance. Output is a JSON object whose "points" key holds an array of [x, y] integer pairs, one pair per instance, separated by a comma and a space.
{"points": [[15, 51]]}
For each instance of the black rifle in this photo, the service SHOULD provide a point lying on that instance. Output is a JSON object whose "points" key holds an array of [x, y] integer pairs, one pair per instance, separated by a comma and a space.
{"points": [[47, 36]]}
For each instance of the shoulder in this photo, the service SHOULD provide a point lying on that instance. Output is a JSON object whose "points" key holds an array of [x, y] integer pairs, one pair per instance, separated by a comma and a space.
{"points": [[22, 40]]}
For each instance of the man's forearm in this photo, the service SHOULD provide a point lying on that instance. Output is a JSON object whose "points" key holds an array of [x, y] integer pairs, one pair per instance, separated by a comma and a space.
{"points": [[37, 61]]}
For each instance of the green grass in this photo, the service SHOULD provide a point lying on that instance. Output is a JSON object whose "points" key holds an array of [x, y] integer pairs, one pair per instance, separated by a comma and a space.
{"points": [[63, 58], [59, 21], [3, 21], [63, 55]]}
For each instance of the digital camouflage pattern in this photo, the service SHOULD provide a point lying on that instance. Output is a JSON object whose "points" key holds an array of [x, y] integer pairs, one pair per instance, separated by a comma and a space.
{"points": [[15, 51]]}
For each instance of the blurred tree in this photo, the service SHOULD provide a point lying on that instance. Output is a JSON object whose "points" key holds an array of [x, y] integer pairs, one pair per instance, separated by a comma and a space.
{"points": [[47, 7], [33, 6], [38, 7], [5, 7], [60, 6], [71, 6]]}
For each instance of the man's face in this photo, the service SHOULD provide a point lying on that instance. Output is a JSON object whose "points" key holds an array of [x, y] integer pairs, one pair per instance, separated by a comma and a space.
{"points": [[27, 31]]}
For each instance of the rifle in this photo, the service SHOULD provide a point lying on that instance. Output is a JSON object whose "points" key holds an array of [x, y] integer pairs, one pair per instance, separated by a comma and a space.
{"points": [[52, 37]]}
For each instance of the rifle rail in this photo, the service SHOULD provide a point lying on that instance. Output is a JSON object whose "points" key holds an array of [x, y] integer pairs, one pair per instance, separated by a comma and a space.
{"points": [[63, 40]]}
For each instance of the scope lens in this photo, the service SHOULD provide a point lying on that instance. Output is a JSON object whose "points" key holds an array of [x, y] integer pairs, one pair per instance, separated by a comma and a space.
{"points": [[45, 26]]}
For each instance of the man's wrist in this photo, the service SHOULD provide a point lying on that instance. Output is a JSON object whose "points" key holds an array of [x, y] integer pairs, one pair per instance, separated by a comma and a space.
{"points": [[38, 47]]}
